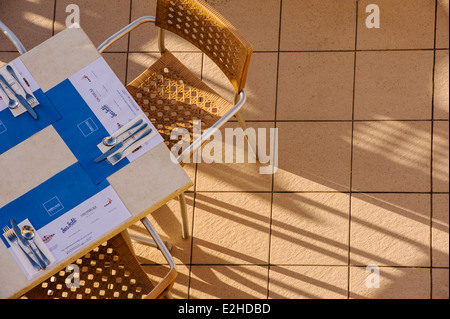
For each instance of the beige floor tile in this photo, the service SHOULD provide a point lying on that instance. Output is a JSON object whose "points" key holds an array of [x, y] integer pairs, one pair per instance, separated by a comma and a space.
{"points": [[315, 86], [99, 19], [31, 21], [393, 85], [390, 229], [167, 222], [394, 283], [231, 228], [440, 156], [404, 24], [180, 289], [260, 27], [191, 170], [310, 229], [228, 282], [145, 37], [313, 156], [118, 63], [6, 57], [442, 24], [139, 62], [441, 96], [440, 284], [244, 173], [391, 156], [260, 87], [440, 224], [308, 282], [318, 25]]}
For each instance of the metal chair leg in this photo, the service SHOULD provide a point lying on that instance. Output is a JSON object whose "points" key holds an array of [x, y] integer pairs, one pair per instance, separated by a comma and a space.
{"points": [[250, 138], [184, 217], [161, 246]]}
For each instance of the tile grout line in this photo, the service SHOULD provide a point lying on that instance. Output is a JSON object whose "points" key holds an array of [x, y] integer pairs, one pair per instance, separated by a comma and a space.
{"points": [[275, 142], [287, 51], [431, 150], [281, 51], [300, 265], [193, 204], [351, 153], [313, 192]]}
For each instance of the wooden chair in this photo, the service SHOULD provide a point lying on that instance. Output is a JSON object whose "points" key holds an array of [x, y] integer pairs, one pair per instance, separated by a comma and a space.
{"points": [[110, 271], [172, 96]]}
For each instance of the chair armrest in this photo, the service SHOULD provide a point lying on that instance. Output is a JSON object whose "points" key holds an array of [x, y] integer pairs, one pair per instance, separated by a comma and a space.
{"points": [[160, 290], [116, 36], [164, 285], [12, 37], [216, 126]]}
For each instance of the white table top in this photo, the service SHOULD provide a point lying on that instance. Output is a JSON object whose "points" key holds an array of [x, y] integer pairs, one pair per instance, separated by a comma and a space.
{"points": [[143, 185]]}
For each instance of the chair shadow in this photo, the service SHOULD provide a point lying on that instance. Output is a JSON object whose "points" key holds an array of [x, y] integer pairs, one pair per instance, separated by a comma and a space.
{"points": [[380, 149]]}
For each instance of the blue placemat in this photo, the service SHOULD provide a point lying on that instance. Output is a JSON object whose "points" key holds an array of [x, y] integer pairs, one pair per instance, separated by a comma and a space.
{"points": [[51, 199], [14, 130], [81, 131]]}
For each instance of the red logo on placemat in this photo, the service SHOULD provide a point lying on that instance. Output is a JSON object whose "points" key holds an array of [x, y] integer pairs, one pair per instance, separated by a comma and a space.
{"points": [[109, 202], [46, 239]]}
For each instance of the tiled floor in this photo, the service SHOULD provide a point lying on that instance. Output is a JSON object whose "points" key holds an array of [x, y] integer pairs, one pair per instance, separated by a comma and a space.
{"points": [[363, 146]]}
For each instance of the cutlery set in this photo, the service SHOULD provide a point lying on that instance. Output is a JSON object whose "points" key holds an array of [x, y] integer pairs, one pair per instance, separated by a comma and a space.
{"points": [[135, 133], [29, 101], [25, 237]]}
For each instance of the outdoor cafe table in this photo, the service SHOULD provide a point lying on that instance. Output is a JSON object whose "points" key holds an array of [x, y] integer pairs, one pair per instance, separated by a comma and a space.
{"points": [[142, 185]]}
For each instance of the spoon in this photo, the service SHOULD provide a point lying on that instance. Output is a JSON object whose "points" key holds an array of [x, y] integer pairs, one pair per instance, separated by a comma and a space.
{"points": [[28, 234], [12, 104], [111, 140]]}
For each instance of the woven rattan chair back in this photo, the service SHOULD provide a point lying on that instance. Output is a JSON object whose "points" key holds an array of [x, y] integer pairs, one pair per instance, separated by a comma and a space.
{"points": [[110, 271], [172, 97], [199, 23]]}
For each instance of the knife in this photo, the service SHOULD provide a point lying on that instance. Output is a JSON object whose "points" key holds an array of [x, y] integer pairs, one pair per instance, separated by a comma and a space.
{"points": [[119, 145], [26, 242], [20, 98]]}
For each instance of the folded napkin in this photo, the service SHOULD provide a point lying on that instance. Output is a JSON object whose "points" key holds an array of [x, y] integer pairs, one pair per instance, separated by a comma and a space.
{"points": [[25, 78], [15, 128], [20, 257], [136, 145]]}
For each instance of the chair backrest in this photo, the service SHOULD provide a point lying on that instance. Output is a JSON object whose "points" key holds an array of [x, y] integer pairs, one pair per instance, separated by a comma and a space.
{"points": [[199, 23]]}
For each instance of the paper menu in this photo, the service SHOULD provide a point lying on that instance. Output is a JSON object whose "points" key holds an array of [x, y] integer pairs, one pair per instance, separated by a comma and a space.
{"points": [[84, 223], [109, 100], [73, 230]]}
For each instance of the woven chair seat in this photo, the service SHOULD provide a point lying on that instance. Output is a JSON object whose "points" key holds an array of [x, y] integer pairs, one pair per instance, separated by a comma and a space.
{"points": [[172, 97], [110, 271]]}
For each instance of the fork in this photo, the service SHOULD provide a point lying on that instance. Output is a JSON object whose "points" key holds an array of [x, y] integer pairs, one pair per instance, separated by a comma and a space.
{"points": [[12, 237], [30, 99], [116, 157]]}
